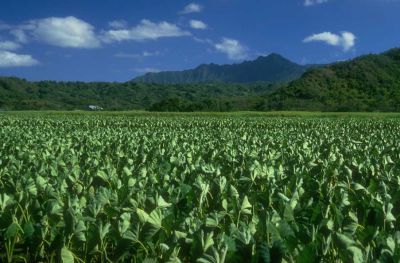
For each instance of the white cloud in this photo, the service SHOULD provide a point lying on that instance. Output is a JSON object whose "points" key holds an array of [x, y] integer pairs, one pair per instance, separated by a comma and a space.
{"points": [[9, 45], [314, 2], [197, 24], [192, 8], [71, 32], [10, 59], [19, 35], [346, 40], [118, 24], [136, 56], [327, 37], [232, 48], [146, 30], [68, 32]]}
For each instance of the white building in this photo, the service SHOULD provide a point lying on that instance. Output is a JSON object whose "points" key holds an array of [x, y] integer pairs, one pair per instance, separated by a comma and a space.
{"points": [[95, 107]]}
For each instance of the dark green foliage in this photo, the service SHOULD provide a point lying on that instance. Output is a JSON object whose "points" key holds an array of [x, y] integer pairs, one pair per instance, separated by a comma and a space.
{"points": [[19, 94], [263, 253], [273, 68], [367, 83]]}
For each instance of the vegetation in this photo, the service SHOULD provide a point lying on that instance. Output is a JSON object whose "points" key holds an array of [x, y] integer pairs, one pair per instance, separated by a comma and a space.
{"points": [[18, 94], [368, 83], [198, 188], [273, 68]]}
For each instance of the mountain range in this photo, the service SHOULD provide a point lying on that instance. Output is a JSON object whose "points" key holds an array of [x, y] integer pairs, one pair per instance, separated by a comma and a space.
{"points": [[271, 68], [366, 83]]}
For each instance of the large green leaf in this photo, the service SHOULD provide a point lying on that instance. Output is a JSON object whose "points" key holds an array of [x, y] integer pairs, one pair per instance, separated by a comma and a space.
{"points": [[246, 206], [67, 256]]}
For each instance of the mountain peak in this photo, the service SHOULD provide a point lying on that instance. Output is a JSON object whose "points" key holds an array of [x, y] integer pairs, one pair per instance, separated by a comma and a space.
{"points": [[271, 68], [273, 58], [276, 55]]}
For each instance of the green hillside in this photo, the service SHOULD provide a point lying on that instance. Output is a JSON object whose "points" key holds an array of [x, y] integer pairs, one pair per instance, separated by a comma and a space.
{"points": [[367, 83]]}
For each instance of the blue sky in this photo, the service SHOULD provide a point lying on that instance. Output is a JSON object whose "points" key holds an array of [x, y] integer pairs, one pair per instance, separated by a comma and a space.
{"points": [[116, 40]]}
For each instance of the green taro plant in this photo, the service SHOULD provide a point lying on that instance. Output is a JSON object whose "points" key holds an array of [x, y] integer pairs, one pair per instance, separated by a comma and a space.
{"points": [[206, 189]]}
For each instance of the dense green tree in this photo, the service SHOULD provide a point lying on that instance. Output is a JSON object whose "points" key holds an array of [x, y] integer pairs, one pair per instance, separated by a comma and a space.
{"points": [[367, 83], [19, 94]]}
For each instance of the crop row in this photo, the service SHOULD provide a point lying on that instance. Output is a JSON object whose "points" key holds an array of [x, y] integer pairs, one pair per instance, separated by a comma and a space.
{"points": [[205, 189]]}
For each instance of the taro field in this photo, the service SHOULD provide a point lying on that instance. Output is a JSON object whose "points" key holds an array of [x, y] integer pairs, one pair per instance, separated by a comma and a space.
{"points": [[198, 188]]}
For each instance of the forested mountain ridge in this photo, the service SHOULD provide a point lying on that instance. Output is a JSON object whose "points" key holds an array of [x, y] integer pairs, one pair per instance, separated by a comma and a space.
{"points": [[272, 68], [366, 83]]}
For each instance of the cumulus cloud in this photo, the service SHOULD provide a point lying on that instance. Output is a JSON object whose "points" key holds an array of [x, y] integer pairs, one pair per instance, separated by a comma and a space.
{"points": [[64, 32], [192, 8], [145, 30], [314, 2], [118, 24], [232, 48], [346, 40], [197, 24], [68, 32], [9, 45], [71, 32], [10, 59]]}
